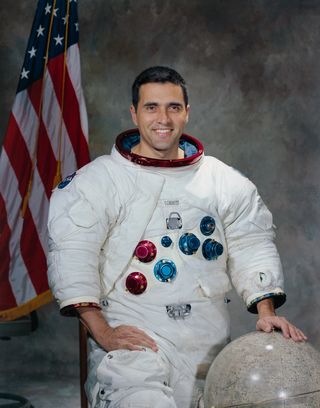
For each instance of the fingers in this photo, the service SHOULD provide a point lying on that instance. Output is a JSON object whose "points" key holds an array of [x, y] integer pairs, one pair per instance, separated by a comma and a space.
{"points": [[138, 337], [264, 325], [129, 337], [268, 323], [296, 334], [132, 347], [282, 324], [291, 331]]}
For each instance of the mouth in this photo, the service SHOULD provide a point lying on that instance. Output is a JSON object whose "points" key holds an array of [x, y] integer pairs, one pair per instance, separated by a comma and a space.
{"points": [[162, 132]]}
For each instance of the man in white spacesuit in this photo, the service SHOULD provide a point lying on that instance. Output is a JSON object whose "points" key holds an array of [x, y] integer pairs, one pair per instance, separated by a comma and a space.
{"points": [[140, 244]]}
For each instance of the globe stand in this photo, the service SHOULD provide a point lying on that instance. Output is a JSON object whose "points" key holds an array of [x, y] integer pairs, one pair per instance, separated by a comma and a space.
{"points": [[17, 401]]}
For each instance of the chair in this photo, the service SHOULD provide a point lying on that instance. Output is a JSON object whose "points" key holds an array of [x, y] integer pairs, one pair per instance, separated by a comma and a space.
{"points": [[83, 355]]}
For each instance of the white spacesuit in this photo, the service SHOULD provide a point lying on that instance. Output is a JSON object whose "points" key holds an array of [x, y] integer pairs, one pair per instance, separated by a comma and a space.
{"points": [[150, 242]]}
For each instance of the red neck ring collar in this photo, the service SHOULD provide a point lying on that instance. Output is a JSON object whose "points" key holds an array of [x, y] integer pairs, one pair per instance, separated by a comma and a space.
{"points": [[148, 161]]}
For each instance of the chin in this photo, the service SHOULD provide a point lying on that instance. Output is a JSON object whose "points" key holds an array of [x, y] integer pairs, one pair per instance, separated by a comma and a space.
{"points": [[162, 147]]}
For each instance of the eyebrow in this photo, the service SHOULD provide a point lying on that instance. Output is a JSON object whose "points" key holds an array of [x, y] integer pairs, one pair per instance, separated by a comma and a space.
{"points": [[150, 104], [169, 104]]}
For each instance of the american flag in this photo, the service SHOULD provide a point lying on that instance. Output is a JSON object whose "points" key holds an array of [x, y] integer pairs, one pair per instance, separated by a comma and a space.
{"points": [[46, 140]]}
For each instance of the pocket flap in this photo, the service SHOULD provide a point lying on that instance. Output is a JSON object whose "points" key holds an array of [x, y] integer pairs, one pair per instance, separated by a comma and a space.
{"points": [[82, 214]]}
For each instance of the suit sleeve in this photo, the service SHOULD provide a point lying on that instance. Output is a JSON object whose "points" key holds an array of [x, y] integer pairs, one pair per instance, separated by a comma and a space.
{"points": [[253, 260], [78, 225]]}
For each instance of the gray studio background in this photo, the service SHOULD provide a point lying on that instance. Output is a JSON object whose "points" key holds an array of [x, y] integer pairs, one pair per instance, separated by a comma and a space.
{"points": [[253, 70]]}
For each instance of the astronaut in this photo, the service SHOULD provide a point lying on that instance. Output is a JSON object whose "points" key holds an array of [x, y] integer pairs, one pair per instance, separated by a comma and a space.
{"points": [[142, 244]]}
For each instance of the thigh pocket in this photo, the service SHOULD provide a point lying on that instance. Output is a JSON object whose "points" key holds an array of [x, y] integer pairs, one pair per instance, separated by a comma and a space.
{"points": [[125, 368]]}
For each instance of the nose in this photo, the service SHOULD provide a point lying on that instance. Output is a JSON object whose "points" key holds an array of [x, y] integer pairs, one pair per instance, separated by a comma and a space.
{"points": [[163, 117]]}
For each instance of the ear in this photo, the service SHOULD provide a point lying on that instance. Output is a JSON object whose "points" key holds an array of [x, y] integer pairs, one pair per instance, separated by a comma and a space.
{"points": [[188, 111], [133, 115]]}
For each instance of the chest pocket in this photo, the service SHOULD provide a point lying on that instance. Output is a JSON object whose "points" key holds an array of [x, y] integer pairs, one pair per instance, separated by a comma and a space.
{"points": [[82, 214]]}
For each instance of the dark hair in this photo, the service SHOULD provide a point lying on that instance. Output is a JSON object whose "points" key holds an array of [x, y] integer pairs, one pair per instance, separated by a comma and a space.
{"points": [[161, 75]]}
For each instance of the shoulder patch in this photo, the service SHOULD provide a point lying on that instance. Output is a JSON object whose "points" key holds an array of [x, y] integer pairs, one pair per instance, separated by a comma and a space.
{"points": [[66, 181]]}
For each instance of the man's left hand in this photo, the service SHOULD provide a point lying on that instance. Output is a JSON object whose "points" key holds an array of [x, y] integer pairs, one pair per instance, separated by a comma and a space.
{"points": [[268, 323]]}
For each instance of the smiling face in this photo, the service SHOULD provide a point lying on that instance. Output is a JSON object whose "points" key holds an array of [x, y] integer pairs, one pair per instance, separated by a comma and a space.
{"points": [[161, 116]]}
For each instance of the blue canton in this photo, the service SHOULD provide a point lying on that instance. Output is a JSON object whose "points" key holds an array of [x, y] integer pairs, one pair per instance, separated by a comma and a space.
{"points": [[34, 61]]}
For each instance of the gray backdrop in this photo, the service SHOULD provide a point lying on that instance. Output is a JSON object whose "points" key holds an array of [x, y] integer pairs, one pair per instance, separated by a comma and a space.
{"points": [[253, 72]]}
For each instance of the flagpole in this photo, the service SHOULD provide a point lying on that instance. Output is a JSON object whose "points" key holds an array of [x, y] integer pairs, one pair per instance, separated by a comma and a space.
{"points": [[58, 176]]}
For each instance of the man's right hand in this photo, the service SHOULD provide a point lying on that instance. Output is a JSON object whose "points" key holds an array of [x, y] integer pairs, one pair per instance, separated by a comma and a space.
{"points": [[120, 337], [128, 337]]}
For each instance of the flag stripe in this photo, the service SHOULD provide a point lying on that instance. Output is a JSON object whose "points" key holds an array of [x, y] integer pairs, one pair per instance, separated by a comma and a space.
{"points": [[45, 153], [31, 248], [71, 115], [73, 64], [19, 277], [17, 273], [27, 123], [21, 162], [33, 254], [7, 298], [39, 208], [21, 165], [50, 112], [71, 112], [35, 93], [9, 190]]}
